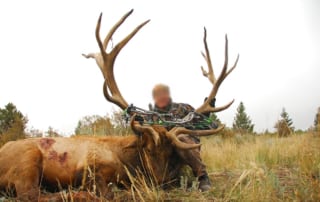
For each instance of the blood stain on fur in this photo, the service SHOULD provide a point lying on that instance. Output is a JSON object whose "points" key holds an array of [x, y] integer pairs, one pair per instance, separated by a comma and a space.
{"points": [[53, 155], [46, 143], [63, 157]]}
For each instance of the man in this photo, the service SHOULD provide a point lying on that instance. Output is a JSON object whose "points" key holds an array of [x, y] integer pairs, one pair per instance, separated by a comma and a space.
{"points": [[163, 104]]}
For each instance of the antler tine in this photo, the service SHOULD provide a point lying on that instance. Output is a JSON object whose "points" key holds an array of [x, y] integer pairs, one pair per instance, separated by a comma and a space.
{"points": [[121, 44], [106, 60], [225, 72], [210, 73], [205, 107], [114, 29], [102, 49], [222, 74], [226, 106], [172, 135], [233, 67], [181, 130], [137, 128], [176, 131]]}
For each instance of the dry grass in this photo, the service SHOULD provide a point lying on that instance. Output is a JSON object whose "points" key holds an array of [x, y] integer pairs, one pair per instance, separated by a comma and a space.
{"points": [[253, 168], [249, 168], [245, 168]]}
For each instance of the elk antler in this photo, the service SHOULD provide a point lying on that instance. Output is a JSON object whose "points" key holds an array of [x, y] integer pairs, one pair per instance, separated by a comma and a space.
{"points": [[174, 133], [138, 128], [205, 107], [106, 60], [181, 130], [173, 136]]}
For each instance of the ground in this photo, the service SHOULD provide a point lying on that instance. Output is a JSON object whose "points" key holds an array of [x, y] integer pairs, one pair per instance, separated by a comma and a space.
{"points": [[246, 168]]}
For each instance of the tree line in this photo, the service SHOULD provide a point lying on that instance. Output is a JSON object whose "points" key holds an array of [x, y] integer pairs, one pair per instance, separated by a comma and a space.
{"points": [[13, 124], [284, 126]]}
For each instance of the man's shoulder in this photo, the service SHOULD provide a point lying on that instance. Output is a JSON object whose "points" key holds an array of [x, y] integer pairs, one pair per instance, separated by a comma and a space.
{"points": [[184, 106], [176, 108]]}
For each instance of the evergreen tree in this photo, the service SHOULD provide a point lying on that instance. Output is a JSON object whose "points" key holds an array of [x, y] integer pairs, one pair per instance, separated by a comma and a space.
{"points": [[12, 123], [15, 132], [8, 116], [242, 122], [285, 117], [317, 121], [284, 126]]}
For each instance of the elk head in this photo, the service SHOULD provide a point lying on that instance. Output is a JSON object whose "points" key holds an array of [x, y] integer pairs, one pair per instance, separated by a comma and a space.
{"points": [[158, 134]]}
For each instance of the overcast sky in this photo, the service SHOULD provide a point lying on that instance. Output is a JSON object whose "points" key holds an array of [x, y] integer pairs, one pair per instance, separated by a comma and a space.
{"points": [[43, 73]]}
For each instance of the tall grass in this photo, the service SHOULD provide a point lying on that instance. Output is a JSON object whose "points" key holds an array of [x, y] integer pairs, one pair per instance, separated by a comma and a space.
{"points": [[243, 168], [251, 168], [248, 168], [254, 168]]}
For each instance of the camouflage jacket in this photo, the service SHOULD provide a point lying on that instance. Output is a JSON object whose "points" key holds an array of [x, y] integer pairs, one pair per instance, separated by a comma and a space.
{"points": [[181, 110], [178, 110]]}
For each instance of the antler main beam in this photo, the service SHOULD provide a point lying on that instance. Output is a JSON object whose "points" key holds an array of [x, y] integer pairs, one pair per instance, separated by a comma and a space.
{"points": [[205, 107], [106, 60]]}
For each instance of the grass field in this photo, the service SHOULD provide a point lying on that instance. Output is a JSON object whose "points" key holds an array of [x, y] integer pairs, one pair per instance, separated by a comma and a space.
{"points": [[244, 168], [249, 168]]}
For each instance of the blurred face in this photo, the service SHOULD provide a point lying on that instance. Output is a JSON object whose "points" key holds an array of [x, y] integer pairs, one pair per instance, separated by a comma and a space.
{"points": [[161, 98]]}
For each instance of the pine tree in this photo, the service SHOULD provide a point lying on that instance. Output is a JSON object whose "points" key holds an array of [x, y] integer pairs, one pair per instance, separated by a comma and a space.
{"points": [[242, 122], [284, 126], [8, 116], [317, 121], [12, 124], [285, 117]]}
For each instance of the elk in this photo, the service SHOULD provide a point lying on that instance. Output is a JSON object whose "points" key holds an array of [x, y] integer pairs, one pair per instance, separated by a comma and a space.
{"points": [[26, 165]]}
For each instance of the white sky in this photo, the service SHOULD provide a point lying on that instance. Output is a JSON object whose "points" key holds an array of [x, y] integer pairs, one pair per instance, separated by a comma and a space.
{"points": [[43, 73]]}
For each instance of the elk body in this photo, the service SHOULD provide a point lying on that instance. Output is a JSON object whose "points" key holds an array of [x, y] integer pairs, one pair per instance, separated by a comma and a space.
{"points": [[26, 165], [53, 162]]}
